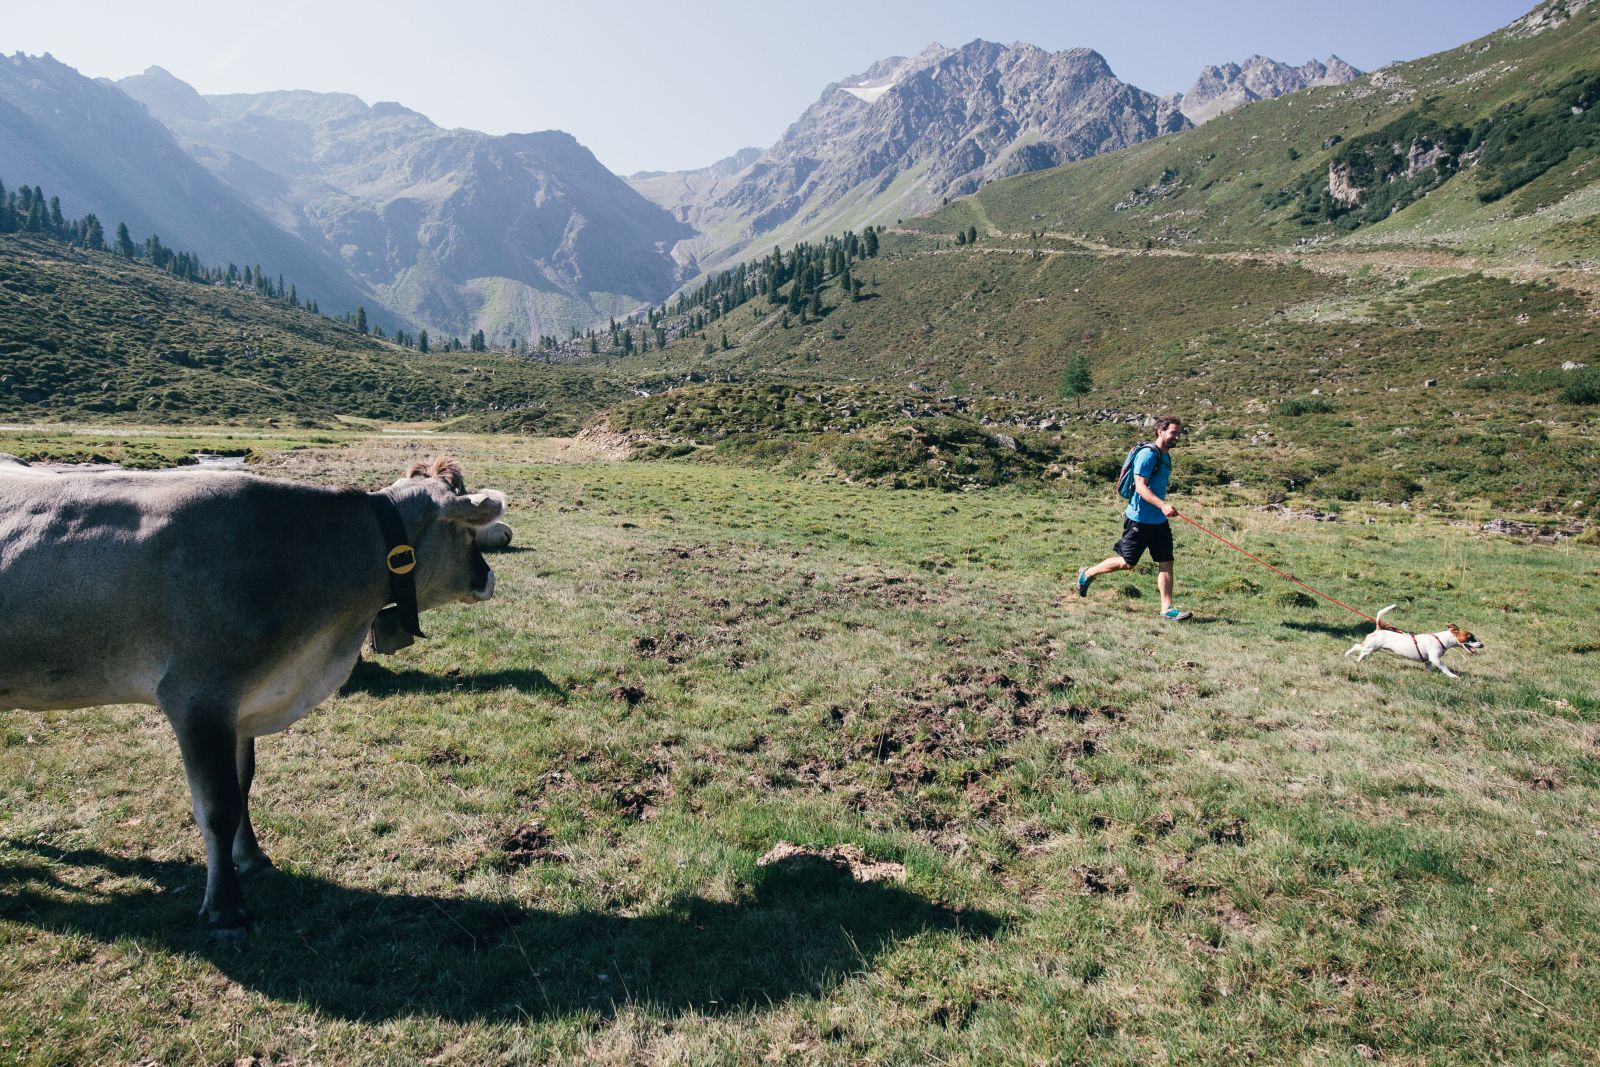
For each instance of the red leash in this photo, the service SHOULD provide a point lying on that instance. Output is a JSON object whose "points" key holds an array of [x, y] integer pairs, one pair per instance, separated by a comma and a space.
{"points": [[1275, 570]]}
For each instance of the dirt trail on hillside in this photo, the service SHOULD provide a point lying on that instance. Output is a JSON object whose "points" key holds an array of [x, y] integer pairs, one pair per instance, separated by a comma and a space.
{"points": [[1342, 261]]}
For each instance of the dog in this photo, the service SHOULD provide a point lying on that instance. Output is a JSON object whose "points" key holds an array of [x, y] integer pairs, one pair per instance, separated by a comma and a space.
{"points": [[1429, 649]]}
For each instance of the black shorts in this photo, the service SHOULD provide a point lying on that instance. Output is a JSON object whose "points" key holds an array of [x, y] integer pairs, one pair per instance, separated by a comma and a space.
{"points": [[1138, 536]]}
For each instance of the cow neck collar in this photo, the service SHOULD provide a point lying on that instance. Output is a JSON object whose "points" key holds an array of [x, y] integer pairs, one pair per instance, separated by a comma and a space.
{"points": [[400, 560]]}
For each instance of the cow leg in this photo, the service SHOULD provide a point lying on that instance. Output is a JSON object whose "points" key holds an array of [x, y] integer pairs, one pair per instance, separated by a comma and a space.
{"points": [[247, 854], [207, 739]]}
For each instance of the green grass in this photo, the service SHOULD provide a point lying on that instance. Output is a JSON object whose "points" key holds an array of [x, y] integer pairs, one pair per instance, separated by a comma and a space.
{"points": [[1124, 842]]}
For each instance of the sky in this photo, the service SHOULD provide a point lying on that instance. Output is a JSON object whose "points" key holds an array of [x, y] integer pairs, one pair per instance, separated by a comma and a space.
{"points": [[672, 86]]}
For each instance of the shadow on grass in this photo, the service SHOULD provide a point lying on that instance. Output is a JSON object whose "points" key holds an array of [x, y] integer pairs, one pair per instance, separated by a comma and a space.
{"points": [[1343, 631], [375, 679], [360, 954]]}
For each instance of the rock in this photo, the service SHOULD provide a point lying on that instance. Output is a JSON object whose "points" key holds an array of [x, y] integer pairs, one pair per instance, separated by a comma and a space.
{"points": [[1510, 528], [1430, 383], [1340, 187], [1573, 364], [1304, 515], [1006, 441]]}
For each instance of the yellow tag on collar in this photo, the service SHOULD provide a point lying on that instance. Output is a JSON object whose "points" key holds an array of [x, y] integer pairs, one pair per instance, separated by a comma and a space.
{"points": [[402, 559]]}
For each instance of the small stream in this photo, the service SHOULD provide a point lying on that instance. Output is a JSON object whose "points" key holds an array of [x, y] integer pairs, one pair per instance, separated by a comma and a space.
{"points": [[201, 461]]}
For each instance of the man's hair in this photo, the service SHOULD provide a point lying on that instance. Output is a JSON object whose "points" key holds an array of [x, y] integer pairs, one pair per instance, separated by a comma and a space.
{"points": [[1167, 420]]}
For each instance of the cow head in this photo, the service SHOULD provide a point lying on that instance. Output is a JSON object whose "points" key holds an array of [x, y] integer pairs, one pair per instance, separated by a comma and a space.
{"points": [[488, 537], [444, 522]]}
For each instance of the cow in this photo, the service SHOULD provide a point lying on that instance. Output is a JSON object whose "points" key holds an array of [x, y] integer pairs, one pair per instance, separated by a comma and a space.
{"points": [[232, 602]]}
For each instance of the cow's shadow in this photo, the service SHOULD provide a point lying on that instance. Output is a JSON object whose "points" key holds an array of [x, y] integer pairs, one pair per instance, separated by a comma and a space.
{"points": [[362, 954], [375, 679]]}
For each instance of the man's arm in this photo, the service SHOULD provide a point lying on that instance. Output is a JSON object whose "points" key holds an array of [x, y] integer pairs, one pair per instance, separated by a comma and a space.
{"points": [[1142, 487]]}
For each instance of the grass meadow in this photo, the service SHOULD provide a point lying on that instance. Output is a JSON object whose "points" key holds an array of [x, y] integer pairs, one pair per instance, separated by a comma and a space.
{"points": [[1082, 834]]}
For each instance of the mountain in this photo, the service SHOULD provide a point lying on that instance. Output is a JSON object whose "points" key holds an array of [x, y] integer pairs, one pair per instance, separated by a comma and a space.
{"points": [[903, 136], [1223, 88], [101, 152], [518, 235]]}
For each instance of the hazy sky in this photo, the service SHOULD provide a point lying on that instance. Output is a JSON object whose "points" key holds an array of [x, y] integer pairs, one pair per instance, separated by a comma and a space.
{"points": [[668, 86]]}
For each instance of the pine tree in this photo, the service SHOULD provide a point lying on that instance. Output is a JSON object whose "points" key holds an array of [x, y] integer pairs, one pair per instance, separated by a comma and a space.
{"points": [[361, 319], [422, 341], [725, 344], [94, 237], [124, 242], [1075, 379], [972, 235], [871, 241]]}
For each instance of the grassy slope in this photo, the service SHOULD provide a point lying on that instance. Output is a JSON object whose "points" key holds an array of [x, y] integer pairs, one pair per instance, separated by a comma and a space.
{"points": [[1124, 844], [1229, 320], [90, 337], [1226, 166]]}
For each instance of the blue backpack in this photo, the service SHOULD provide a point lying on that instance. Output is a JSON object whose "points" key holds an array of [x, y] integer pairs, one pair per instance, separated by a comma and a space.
{"points": [[1125, 479]]}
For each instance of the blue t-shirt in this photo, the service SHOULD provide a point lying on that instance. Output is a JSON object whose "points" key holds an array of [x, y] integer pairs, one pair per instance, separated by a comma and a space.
{"points": [[1156, 469]]}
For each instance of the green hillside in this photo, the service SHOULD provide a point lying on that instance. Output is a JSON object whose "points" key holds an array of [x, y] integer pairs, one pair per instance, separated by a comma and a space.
{"points": [[89, 336], [1456, 151], [1416, 359]]}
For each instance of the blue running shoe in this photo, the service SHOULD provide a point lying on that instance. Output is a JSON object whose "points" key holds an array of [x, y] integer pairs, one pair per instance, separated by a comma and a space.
{"points": [[1177, 616], [1083, 582]]}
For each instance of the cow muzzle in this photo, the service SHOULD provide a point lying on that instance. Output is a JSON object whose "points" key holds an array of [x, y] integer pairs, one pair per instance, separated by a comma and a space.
{"points": [[482, 579]]}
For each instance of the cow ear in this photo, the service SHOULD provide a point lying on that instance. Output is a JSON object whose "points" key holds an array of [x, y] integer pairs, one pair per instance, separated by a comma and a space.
{"points": [[448, 471], [476, 509]]}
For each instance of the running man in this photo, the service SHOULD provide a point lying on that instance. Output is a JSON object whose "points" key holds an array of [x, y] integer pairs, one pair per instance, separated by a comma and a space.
{"points": [[1144, 523]]}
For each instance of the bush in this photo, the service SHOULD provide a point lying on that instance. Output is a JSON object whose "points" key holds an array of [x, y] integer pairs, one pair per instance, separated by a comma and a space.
{"points": [[1368, 481], [1308, 406], [1586, 390]]}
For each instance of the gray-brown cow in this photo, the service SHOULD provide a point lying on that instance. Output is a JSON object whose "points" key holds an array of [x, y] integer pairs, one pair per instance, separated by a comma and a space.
{"points": [[234, 603]]}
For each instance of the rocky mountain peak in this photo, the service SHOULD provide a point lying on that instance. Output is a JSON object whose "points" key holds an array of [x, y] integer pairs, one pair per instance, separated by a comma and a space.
{"points": [[1224, 87], [906, 133]]}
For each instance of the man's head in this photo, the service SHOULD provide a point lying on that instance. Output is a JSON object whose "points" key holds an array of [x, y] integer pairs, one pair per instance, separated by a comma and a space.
{"points": [[1169, 430]]}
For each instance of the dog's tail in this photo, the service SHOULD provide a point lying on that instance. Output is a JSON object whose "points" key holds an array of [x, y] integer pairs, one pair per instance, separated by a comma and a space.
{"points": [[1379, 620]]}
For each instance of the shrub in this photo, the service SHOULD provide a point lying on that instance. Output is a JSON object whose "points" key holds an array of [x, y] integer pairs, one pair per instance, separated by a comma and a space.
{"points": [[1306, 406], [1586, 390], [1368, 481]]}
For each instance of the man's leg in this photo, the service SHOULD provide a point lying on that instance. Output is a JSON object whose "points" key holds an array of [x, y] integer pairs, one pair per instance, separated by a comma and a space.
{"points": [[1107, 565], [1164, 585]]}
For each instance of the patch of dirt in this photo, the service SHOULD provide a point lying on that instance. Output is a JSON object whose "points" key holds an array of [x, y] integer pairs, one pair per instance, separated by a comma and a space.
{"points": [[848, 858], [447, 757], [674, 646], [1096, 881], [631, 695], [599, 440], [1230, 832], [530, 843]]}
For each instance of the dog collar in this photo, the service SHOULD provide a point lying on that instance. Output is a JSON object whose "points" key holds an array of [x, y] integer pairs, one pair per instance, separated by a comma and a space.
{"points": [[400, 560]]}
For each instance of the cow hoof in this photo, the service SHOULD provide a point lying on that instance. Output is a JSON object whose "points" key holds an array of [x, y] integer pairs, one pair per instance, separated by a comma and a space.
{"points": [[226, 924], [230, 935], [252, 864]]}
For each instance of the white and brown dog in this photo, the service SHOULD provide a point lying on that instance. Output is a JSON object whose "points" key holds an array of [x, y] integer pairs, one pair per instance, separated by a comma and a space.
{"points": [[1428, 649]]}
